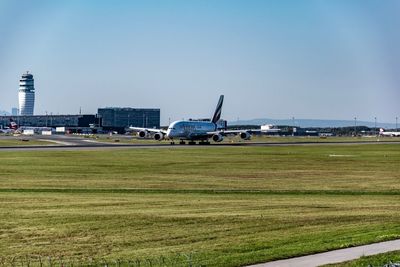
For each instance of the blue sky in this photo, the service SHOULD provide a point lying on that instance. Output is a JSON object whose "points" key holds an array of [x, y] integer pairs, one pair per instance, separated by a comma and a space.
{"points": [[312, 59]]}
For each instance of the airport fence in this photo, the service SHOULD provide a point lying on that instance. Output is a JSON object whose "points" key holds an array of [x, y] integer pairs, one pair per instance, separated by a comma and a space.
{"points": [[179, 260]]}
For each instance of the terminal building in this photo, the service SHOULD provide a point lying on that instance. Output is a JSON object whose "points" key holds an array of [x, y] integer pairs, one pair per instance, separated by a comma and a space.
{"points": [[120, 118], [74, 123], [107, 119]]}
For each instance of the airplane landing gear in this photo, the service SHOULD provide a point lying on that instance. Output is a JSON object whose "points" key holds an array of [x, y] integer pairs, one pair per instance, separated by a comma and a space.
{"points": [[182, 142], [192, 143]]}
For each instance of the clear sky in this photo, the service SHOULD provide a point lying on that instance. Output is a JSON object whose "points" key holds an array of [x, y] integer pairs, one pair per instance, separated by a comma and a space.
{"points": [[322, 59]]}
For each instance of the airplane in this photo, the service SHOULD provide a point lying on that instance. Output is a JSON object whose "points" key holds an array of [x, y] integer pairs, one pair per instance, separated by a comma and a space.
{"points": [[269, 129], [12, 127], [192, 130], [393, 134]]}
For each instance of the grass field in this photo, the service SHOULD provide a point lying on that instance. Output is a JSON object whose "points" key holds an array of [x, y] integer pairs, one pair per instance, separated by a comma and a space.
{"points": [[255, 138], [223, 206]]}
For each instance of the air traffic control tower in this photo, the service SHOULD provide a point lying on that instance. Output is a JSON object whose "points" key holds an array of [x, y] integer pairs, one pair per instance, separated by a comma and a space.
{"points": [[26, 94]]}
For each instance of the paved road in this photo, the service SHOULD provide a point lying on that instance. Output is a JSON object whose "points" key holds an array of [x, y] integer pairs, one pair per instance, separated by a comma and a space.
{"points": [[335, 256]]}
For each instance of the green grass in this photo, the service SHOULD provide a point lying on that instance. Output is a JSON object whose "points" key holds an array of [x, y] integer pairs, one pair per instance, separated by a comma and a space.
{"points": [[226, 206], [119, 139], [263, 138], [371, 261], [363, 168]]}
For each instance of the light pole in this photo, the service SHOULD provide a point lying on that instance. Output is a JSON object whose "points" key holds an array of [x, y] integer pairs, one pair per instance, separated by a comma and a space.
{"points": [[355, 126], [375, 126], [293, 126], [396, 123]]}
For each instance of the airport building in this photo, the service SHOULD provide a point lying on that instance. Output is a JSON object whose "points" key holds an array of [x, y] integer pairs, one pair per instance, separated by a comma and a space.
{"points": [[121, 118], [107, 119], [26, 94], [74, 123]]}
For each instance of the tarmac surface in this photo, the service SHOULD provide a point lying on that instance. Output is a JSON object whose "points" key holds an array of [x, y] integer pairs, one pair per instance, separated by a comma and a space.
{"points": [[335, 256]]}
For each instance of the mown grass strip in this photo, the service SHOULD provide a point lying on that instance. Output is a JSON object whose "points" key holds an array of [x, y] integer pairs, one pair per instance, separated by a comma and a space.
{"points": [[194, 191], [231, 206]]}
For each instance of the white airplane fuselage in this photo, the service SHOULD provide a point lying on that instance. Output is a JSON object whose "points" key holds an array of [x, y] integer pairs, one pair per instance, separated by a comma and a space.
{"points": [[393, 134], [190, 130]]}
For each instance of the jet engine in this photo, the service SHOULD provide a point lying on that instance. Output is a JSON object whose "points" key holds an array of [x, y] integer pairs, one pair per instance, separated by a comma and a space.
{"points": [[142, 134], [217, 138], [158, 136], [245, 135]]}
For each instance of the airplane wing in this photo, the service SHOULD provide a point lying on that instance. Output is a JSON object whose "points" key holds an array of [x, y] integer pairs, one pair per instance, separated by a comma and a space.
{"points": [[7, 131], [150, 130], [234, 132]]}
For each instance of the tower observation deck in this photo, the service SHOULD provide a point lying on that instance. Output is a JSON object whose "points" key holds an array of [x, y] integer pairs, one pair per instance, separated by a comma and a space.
{"points": [[26, 94]]}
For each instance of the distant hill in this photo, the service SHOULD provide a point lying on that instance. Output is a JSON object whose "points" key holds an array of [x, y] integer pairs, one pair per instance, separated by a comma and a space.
{"points": [[4, 113], [306, 123]]}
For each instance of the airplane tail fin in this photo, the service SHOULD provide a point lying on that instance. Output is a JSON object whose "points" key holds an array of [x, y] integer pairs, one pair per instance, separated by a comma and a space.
{"points": [[218, 110], [381, 130], [13, 125]]}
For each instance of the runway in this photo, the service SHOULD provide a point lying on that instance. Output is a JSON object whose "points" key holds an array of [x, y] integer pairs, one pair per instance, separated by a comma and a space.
{"points": [[66, 142]]}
